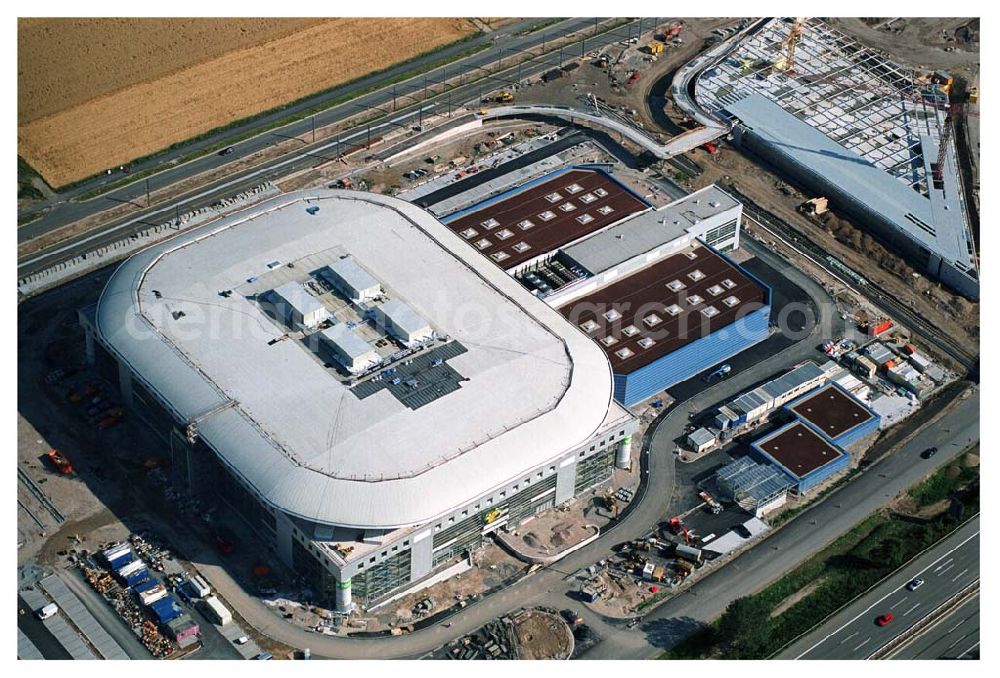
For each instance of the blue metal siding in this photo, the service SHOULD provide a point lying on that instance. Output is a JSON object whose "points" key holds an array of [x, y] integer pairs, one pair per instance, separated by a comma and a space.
{"points": [[848, 438], [689, 360], [817, 476]]}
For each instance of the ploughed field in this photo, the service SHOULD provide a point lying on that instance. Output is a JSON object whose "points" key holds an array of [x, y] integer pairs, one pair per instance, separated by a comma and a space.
{"points": [[98, 93]]}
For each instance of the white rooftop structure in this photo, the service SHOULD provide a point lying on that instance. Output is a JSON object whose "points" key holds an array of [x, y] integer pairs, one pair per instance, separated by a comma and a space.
{"points": [[347, 276], [351, 350], [402, 321], [302, 307], [533, 386], [648, 232]]}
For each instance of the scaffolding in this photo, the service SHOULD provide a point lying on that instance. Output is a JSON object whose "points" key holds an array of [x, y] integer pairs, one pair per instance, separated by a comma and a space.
{"points": [[851, 93]]}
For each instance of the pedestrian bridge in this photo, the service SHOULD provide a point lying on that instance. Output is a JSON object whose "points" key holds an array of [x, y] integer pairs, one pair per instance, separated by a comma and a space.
{"points": [[676, 146]]}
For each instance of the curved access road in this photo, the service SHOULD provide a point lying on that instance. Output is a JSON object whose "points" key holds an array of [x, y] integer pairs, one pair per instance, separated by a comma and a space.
{"points": [[678, 145], [548, 586]]}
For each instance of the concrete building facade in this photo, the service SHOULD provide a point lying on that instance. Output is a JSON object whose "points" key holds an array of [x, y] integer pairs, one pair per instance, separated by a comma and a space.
{"points": [[362, 488]]}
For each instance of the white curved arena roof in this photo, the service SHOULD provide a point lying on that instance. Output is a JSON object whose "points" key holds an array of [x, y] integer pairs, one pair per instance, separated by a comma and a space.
{"points": [[534, 386]]}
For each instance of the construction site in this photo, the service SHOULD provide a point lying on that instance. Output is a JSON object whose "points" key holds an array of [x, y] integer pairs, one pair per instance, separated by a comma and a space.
{"points": [[592, 260]]}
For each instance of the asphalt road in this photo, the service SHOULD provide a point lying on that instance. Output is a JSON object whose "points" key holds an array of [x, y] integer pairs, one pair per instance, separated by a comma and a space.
{"points": [[852, 633], [804, 536], [309, 155], [551, 585], [954, 637]]}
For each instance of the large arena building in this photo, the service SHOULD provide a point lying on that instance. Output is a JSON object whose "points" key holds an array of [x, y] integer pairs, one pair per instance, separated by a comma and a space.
{"points": [[369, 393]]}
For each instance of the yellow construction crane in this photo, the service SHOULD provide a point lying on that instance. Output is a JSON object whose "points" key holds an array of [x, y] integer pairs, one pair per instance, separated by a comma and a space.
{"points": [[786, 62]]}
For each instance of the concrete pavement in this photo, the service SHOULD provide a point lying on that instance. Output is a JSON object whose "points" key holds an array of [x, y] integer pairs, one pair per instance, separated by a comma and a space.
{"points": [[851, 633]]}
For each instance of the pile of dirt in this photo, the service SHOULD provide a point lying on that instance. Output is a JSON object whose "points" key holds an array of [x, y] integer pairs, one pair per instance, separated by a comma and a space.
{"points": [[542, 635]]}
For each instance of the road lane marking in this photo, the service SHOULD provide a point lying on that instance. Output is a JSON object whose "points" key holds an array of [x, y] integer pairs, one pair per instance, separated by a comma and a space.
{"points": [[952, 629], [943, 564], [849, 637], [946, 569], [862, 644], [957, 576], [911, 609], [901, 601], [867, 610], [969, 650]]}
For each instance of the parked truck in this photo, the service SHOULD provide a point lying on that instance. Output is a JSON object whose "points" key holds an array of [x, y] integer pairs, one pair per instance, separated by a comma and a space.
{"points": [[216, 611]]}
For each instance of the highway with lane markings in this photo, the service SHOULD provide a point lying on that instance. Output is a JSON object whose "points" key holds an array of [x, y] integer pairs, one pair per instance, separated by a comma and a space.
{"points": [[954, 637], [947, 569], [483, 72]]}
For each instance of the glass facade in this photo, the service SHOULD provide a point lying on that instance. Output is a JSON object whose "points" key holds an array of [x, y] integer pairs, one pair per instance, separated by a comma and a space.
{"points": [[595, 470], [390, 574], [720, 234]]}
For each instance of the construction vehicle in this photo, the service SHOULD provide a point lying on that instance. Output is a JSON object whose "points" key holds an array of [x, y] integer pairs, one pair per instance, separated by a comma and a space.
{"points": [[611, 503], [711, 148], [655, 48], [713, 506], [684, 568], [60, 461], [677, 527], [504, 97], [815, 206], [786, 62], [673, 31]]}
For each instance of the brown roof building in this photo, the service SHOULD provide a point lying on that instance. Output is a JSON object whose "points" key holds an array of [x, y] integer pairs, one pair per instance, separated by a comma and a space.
{"points": [[520, 225], [665, 306], [831, 411], [805, 456]]}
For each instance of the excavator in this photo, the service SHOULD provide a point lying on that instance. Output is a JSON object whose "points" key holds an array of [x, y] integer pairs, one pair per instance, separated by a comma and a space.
{"points": [[677, 527]]}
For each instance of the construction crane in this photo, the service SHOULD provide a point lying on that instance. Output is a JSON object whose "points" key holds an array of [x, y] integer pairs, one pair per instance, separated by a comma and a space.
{"points": [[787, 62], [938, 167]]}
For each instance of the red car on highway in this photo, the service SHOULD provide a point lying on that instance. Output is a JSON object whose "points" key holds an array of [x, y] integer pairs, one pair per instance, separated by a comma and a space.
{"points": [[884, 619]]}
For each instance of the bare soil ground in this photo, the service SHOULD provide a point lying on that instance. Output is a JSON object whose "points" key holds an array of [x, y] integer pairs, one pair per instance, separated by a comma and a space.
{"points": [[920, 43], [845, 241], [62, 63], [801, 594], [542, 635], [493, 565], [139, 119]]}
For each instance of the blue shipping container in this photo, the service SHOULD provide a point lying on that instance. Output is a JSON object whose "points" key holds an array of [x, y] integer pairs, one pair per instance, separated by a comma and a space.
{"points": [[166, 609]]}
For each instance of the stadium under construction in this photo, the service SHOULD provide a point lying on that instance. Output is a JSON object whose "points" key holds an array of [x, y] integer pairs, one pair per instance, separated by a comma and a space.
{"points": [[849, 124]]}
